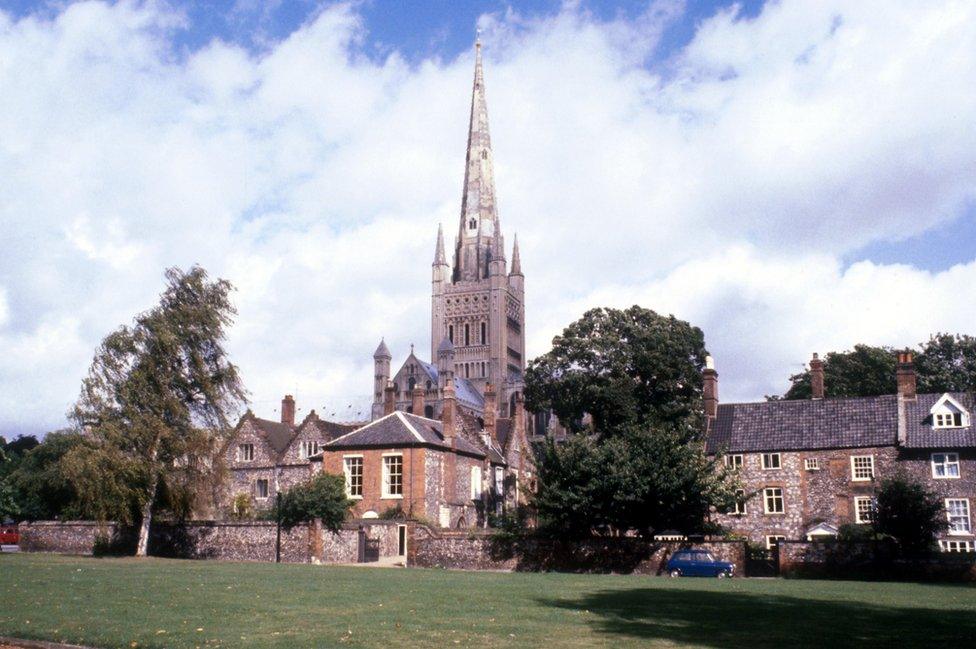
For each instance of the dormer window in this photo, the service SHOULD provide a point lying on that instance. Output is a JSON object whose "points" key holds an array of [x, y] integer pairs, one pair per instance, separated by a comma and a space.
{"points": [[949, 413]]}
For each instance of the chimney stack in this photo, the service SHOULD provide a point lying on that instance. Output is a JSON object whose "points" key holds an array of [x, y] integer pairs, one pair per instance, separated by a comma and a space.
{"points": [[491, 406], [288, 410], [417, 405], [518, 425], [449, 415], [389, 399], [905, 375], [710, 388], [816, 377]]}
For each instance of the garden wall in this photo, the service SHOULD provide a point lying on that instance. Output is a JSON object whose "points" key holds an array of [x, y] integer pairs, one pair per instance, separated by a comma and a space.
{"points": [[67, 537], [870, 560], [427, 548]]}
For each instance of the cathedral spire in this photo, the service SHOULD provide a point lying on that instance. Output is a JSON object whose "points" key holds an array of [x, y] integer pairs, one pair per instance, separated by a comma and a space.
{"points": [[479, 224]]}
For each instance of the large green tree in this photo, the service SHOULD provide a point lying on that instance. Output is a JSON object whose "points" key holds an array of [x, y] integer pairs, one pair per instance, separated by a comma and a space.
{"points": [[640, 480], [157, 403], [40, 487], [623, 368], [944, 363]]}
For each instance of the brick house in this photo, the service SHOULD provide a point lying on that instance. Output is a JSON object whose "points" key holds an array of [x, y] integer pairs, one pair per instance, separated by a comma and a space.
{"points": [[810, 466], [448, 472]]}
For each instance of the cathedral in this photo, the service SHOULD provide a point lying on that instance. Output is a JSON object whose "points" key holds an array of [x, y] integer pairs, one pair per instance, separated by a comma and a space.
{"points": [[477, 314], [447, 440]]}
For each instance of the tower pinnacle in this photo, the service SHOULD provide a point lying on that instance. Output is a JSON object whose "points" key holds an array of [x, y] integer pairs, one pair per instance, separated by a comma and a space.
{"points": [[516, 260], [439, 258]]}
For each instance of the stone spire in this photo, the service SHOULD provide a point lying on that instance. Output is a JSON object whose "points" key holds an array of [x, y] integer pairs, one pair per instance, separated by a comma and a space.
{"points": [[516, 260], [479, 224], [439, 258]]}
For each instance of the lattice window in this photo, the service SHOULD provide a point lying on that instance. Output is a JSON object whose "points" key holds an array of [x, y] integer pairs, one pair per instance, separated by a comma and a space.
{"points": [[862, 467], [811, 464], [863, 509], [945, 465], [957, 510]]}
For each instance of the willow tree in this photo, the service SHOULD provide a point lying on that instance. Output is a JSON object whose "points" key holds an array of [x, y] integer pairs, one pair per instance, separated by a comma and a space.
{"points": [[157, 402]]}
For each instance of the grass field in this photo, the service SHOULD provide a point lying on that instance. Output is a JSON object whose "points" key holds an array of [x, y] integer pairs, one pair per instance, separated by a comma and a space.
{"points": [[165, 603]]}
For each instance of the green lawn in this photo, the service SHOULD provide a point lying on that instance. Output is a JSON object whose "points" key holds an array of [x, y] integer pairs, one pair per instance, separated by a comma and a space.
{"points": [[167, 603]]}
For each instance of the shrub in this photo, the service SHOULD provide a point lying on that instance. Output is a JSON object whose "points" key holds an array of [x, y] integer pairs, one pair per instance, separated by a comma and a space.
{"points": [[394, 513], [909, 514]]}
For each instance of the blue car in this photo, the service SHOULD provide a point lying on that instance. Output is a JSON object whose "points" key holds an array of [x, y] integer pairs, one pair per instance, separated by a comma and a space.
{"points": [[698, 563]]}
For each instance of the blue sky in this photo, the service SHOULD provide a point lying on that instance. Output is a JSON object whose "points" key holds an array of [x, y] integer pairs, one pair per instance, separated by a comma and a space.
{"points": [[777, 174]]}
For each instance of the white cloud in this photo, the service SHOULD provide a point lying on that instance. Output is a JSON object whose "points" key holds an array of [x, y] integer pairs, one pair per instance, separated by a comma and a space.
{"points": [[724, 184]]}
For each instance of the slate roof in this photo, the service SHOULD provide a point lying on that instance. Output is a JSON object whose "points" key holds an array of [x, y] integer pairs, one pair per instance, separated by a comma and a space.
{"points": [[503, 428], [918, 424], [330, 429], [853, 422], [805, 424], [464, 389], [401, 429]]}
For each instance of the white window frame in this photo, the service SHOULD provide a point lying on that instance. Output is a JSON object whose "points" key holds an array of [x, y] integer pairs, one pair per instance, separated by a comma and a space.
{"points": [[811, 464], [387, 461], [965, 517], [859, 512], [734, 461], [946, 463], [499, 481], [307, 449], [347, 460], [854, 468], [771, 540], [245, 452], [957, 545], [739, 509], [257, 489], [476, 483], [766, 499], [767, 465]]}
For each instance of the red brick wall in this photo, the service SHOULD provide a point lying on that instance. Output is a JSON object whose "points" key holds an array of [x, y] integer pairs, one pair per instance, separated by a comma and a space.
{"points": [[372, 499]]}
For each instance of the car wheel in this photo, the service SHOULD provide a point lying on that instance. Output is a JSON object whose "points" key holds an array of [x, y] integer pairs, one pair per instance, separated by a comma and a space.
{"points": [[675, 573], [722, 575]]}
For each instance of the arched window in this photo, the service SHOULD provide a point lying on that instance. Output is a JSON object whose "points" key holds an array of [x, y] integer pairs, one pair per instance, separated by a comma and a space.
{"points": [[484, 154], [484, 333], [467, 335], [472, 224], [429, 385], [412, 383], [450, 333]]}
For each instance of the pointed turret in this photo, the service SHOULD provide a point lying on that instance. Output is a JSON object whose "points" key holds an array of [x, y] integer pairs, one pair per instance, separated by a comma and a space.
{"points": [[382, 351], [440, 259], [479, 224], [516, 260]]}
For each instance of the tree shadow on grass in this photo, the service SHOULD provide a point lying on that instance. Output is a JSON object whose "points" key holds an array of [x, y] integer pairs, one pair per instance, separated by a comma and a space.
{"points": [[735, 619]]}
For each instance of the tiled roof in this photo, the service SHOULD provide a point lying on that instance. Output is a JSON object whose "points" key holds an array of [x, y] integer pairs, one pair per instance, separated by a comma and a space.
{"points": [[918, 424], [330, 429], [805, 424], [835, 423], [401, 429], [279, 435], [503, 429]]}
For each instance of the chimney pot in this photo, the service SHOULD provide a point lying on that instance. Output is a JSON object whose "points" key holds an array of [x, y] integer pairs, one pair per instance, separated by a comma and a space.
{"points": [[418, 402], [710, 388], [905, 375], [449, 415]]}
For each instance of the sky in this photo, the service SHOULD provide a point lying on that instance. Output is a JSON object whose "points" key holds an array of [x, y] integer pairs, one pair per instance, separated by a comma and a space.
{"points": [[791, 176]]}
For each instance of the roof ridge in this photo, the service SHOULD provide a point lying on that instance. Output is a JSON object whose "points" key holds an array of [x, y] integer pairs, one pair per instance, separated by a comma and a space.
{"points": [[409, 426], [352, 432]]}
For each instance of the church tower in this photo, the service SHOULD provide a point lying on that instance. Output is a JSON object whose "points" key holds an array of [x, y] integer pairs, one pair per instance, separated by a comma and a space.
{"points": [[478, 304]]}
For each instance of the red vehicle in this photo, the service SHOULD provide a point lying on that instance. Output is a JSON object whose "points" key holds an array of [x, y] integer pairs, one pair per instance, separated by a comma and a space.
{"points": [[9, 535]]}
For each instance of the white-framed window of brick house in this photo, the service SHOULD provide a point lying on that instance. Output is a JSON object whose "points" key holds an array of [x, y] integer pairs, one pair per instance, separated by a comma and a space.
{"points": [[307, 449], [863, 509], [733, 461], [862, 468], [773, 500], [245, 452], [739, 508], [773, 539], [811, 464], [771, 461], [352, 467], [956, 545], [957, 511], [476, 483], [393, 475], [261, 488], [945, 466]]}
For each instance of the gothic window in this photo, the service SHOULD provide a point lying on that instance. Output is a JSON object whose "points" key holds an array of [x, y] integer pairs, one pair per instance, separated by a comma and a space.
{"points": [[450, 333], [472, 224], [429, 385], [484, 333], [467, 335], [412, 382], [484, 154]]}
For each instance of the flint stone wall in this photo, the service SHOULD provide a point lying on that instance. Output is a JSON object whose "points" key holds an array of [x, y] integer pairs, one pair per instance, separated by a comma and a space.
{"points": [[65, 537], [229, 541], [870, 560], [429, 549]]}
